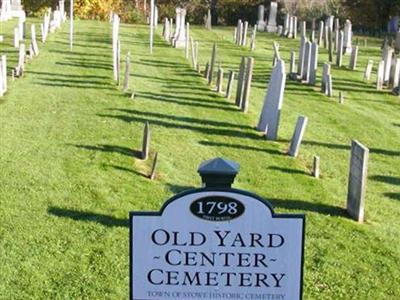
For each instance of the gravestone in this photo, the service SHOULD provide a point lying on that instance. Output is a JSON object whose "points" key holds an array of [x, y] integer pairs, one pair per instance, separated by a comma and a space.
{"points": [[316, 167], [240, 83], [292, 68], [341, 97], [19, 70], [271, 27], [397, 42], [127, 71], [209, 20], [115, 39], [212, 64], [3, 70], [253, 39], [326, 70], [297, 136], [34, 44], [247, 85], [146, 141], [303, 29], [187, 40], [394, 74], [368, 70], [348, 36], [118, 62], [286, 24], [387, 57], [357, 181], [179, 40], [314, 63], [16, 37], [244, 37], [302, 52], [305, 77], [276, 53], [154, 167], [291, 28], [320, 32], [353, 58], [330, 46], [380, 75], [270, 113], [329, 87], [339, 53], [326, 36], [261, 26], [220, 80], [280, 30], [294, 27], [194, 47], [166, 29], [229, 86]]}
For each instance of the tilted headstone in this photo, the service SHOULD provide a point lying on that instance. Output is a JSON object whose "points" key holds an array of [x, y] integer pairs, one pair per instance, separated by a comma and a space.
{"points": [[229, 86], [357, 181], [212, 64], [339, 53], [380, 75], [154, 167], [276, 54], [368, 70], [247, 85], [270, 113], [261, 26], [146, 141], [314, 63], [34, 41], [354, 58], [273, 11], [297, 136]]}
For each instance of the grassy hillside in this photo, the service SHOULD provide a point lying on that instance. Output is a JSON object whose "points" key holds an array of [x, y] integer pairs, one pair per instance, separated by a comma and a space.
{"points": [[70, 174]]}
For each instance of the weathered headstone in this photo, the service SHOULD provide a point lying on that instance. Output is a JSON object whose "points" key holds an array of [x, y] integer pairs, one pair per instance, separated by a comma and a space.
{"points": [[16, 37], [326, 70], [179, 40], [261, 26], [270, 114], [240, 83], [127, 71], [253, 39], [321, 32], [305, 76], [271, 27], [166, 29], [297, 136], [368, 70], [286, 24], [314, 63], [292, 67], [115, 40], [154, 167], [348, 36], [329, 87], [395, 73], [339, 53], [276, 54], [300, 66], [316, 167], [34, 41], [387, 57], [209, 20], [229, 86], [244, 37], [353, 58], [220, 80], [146, 141], [71, 25], [187, 40], [294, 27], [341, 97], [247, 85], [357, 181], [19, 70], [212, 64], [380, 75]]}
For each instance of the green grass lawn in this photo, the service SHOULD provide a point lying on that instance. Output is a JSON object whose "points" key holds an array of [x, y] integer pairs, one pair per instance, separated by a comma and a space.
{"points": [[69, 175]]}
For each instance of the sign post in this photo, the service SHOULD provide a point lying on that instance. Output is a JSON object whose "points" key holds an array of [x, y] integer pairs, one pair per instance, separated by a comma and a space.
{"points": [[216, 243]]}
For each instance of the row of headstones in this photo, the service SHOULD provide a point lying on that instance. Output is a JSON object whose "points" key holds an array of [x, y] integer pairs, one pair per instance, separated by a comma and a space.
{"points": [[388, 73], [240, 35], [10, 9], [23, 53], [269, 124], [269, 25], [116, 56]]}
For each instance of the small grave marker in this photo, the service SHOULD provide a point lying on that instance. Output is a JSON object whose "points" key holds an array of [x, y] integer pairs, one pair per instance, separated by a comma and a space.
{"points": [[298, 136]]}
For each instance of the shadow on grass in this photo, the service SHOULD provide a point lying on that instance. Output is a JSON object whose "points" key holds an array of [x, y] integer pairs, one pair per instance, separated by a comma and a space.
{"points": [[176, 189], [308, 206], [241, 147], [111, 149], [119, 168], [386, 179], [287, 170], [85, 216], [394, 196], [396, 124]]}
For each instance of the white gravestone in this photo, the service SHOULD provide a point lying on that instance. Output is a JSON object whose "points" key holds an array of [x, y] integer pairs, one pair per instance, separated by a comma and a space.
{"points": [[180, 31], [314, 63], [380, 75], [271, 27], [34, 41], [261, 18], [368, 70], [354, 58], [357, 181], [270, 114], [348, 36]]}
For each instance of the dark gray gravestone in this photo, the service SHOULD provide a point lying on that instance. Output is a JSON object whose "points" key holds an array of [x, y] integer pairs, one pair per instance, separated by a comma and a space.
{"points": [[231, 78], [357, 181], [353, 58], [154, 168], [220, 80], [206, 70], [146, 141], [244, 105], [212, 64], [298, 136]]}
